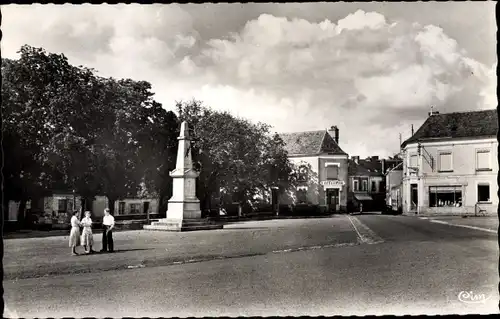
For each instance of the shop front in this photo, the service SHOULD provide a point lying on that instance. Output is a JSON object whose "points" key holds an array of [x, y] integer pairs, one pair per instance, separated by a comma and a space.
{"points": [[333, 190]]}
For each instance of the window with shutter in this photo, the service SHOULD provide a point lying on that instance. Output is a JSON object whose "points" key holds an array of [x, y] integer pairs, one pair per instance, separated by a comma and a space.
{"points": [[445, 162], [332, 172], [365, 186], [413, 160], [121, 208], [483, 160]]}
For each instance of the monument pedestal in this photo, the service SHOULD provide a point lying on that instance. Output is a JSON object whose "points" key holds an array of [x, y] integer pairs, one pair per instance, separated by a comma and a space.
{"points": [[172, 224], [183, 213]]}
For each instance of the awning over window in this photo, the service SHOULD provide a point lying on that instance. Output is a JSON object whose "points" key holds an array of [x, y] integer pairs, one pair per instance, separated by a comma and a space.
{"points": [[363, 197]]}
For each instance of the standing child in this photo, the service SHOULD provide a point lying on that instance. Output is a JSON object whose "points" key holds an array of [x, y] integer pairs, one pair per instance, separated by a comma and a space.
{"points": [[74, 235], [87, 238]]}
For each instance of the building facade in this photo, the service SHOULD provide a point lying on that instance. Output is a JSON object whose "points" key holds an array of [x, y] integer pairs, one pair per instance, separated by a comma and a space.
{"points": [[450, 165], [323, 166], [394, 189], [367, 183], [60, 205]]}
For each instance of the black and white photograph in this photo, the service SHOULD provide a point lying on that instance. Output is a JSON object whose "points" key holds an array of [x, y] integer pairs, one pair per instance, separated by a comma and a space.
{"points": [[249, 159]]}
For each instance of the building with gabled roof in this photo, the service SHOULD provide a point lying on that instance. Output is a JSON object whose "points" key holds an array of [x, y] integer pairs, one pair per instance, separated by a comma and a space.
{"points": [[326, 183], [367, 183], [450, 164]]}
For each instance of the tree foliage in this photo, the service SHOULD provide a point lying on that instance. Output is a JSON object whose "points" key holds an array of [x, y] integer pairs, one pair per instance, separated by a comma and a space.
{"points": [[66, 127], [234, 155]]}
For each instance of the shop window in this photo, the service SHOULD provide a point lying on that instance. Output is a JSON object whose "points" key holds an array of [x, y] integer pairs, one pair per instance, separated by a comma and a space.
{"points": [[445, 162], [483, 193], [332, 172], [356, 185], [134, 209], [374, 186], [483, 160], [445, 196], [121, 208]]}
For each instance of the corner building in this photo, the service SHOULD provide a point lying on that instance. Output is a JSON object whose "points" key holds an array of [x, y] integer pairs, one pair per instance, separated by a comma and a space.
{"points": [[450, 165], [326, 184]]}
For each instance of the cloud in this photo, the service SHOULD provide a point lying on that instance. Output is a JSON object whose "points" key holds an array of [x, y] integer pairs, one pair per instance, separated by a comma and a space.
{"points": [[369, 74], [358, 70], [361, 20]]}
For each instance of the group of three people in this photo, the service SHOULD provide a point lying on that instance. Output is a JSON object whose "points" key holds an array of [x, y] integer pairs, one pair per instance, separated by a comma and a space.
{"points": [[86, 238]]}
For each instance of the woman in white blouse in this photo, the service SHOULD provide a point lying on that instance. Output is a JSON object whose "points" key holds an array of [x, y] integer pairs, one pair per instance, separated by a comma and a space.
{"points": [[74, 235], [87, 238]]}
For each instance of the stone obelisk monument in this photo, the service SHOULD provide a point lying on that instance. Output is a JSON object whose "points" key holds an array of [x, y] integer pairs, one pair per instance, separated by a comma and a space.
{"points": [[183, 211]]}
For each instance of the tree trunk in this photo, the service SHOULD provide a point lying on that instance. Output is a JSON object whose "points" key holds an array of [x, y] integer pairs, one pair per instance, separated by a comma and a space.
{"points": [[87, 203], [111, 204], [21, 212], [240, 209], [5, 206]]}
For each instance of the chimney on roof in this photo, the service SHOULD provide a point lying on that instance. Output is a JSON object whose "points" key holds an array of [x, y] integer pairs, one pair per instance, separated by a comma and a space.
{"points": [[355, 159], [432, 112], [334, 132]]}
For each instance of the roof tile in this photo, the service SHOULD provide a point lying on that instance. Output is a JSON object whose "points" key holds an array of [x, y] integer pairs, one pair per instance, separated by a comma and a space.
{"points": [[457, 125], [310, 143]]}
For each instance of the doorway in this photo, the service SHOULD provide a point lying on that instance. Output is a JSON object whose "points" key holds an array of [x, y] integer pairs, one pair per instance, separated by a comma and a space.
{"points": [[332, 199], [146, 208], [413, 197]]}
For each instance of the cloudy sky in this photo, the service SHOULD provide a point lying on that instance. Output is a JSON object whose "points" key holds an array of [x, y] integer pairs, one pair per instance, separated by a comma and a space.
{"points": [[372, 69]]}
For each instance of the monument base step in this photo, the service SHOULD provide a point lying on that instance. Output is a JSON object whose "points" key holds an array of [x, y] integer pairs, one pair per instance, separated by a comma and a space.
{"points": [[182, 225]]}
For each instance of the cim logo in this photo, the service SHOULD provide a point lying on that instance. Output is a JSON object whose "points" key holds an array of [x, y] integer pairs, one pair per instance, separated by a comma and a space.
{"points": [[471, 297]]}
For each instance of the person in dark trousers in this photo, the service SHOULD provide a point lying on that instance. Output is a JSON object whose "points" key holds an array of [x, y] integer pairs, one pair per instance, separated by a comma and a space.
{"points": [[108, 223]]}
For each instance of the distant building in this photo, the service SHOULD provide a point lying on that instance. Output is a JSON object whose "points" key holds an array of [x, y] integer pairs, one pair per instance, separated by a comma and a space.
{"points": [[60, 204], [320, 151], [367, 182], [394, 188], [450, 164]]}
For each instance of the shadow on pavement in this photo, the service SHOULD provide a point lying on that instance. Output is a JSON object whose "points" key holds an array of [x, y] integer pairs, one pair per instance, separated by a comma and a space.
{"points": [[238, 228], [117, 251]]}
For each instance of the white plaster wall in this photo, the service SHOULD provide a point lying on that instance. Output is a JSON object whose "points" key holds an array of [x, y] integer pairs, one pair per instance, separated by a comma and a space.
{"points": [[464, 173]]}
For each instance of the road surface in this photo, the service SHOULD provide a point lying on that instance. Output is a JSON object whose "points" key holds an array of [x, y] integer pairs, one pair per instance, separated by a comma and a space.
{"points": [[346, 265]]}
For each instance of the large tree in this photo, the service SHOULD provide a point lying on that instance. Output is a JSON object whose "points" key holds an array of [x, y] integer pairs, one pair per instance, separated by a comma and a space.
{"points": [[64, 126], [235, 156]]}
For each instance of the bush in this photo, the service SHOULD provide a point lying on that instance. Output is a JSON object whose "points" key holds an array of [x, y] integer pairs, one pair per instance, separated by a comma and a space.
{"points": [[285, 210], [306, 210], [263, 208]]}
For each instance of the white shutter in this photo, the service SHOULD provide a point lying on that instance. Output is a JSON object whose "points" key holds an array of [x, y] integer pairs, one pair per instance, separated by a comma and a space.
{"points": [[445, 163], [483, 159], [413, 160]]}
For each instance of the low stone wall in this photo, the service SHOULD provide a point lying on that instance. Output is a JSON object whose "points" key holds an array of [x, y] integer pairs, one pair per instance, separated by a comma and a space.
{"points": [[485, 210]]}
